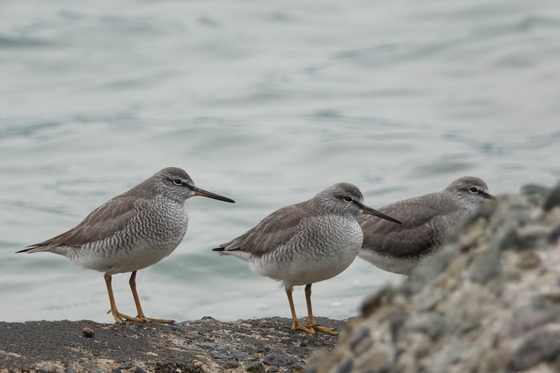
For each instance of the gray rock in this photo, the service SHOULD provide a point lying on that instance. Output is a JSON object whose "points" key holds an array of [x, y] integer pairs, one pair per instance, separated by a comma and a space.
{"points": [[512, 240], [552, 199], [554, 235], [486, 266], [430, 299], [455, 354], [242, 356], [92, 368], [256, 367], [224, 354], [209, 346], [358, 337], [345, 367], [508, 219], [430, 323], [430, 268], [178, 367], [227, 363], [542, 346], [396, 322], [278, 358], [539, 191], [529, 259], [527, 318], [300, 351], [374, 301]]}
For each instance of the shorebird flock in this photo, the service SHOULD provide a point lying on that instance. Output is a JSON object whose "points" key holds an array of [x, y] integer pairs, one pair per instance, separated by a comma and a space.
{"points": [[299, 244]]}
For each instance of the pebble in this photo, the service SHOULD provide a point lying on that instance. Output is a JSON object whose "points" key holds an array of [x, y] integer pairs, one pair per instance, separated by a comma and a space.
{"points": [[528, 259], [88, 332], [92, 368], [227, 363], [256, 367], [278, 358]]}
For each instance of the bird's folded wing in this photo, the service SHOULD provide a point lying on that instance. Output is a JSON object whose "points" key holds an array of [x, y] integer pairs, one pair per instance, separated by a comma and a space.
{"points": [[411, 238], [103, 222], [273, 231]]}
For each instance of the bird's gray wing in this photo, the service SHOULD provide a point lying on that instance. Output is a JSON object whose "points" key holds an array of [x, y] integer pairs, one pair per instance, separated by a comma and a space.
{"points": [[273, 231], [411, 238], [103, 222]]}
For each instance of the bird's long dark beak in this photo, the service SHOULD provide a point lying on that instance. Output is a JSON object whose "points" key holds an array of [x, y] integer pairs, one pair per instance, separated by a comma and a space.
{"points": [[370, 211], [488, 196], [204, 193]]}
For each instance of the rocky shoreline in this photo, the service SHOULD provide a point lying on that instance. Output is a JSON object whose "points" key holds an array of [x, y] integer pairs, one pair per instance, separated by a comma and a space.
{"points": [[207, 345]]}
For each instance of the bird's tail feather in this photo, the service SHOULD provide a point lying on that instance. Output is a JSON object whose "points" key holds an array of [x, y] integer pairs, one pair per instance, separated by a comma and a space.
{"points": [[33, 249]]}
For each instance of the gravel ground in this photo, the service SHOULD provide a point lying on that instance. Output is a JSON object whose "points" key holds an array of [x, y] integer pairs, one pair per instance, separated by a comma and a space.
{"points": [[207, 345]]}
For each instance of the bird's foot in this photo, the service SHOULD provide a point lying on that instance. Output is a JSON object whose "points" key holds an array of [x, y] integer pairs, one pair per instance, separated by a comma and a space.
{"points": [[299, 326], [148, 319], [321, 329], [120, 317]]}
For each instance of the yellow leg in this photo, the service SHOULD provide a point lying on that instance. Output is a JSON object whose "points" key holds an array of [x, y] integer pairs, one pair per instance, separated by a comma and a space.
{"points": [[310, 319], [141, 316], [296, 323], [116, 314]]}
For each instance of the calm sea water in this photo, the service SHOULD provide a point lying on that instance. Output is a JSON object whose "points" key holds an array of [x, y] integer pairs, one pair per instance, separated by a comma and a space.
{"points": [[264, 102]]}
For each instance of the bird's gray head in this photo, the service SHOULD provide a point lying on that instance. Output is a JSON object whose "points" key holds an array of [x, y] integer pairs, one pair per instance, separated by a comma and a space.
{"points": [[344, 199], [470, 189], [340, 198], [174, 183]]}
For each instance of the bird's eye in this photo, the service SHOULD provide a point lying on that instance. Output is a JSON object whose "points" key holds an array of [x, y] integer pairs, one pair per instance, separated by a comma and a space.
{"points": [[177, 181], [347, 198], [473, 190]]}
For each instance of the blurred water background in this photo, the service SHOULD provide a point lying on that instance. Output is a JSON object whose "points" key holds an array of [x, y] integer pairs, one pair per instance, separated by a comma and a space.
{"points": [[264, 102]]}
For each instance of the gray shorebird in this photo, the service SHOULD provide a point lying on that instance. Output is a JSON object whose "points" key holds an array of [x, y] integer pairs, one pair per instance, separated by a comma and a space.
{"points": [[425, 223], [305, 243], [131, 232]]}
